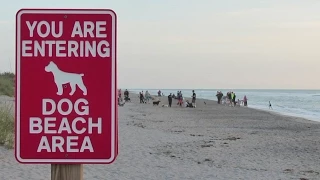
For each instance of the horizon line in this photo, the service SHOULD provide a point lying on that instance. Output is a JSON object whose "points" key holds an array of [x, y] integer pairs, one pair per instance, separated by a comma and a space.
{"points": [[219, 89]]}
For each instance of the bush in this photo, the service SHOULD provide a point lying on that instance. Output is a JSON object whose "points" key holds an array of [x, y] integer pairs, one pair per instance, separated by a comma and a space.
{"points": [[6, 126], [7, 84]]}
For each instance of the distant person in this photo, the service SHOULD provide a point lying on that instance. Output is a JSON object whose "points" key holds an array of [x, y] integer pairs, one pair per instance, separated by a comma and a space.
{"points": [[147, 96], [126, 95], [180, 99], [119, 94], [141, 97], [270, 106], [219, 96], [233, 99], [229, 98], [159, 93], [245, 100], [170, 100], [194, 96], [188, 104]]}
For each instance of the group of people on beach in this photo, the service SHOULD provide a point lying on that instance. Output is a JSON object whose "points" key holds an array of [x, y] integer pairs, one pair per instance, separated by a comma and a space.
{"points": [[145, 98], [181, 101], [230, 99]]}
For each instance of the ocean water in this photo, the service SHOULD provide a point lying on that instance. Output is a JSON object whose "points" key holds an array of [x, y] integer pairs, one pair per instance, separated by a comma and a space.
{"points": [[299, 103]]}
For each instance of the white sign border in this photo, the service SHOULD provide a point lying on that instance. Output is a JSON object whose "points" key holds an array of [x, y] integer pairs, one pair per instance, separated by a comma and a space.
{"points": [[113, 92]]}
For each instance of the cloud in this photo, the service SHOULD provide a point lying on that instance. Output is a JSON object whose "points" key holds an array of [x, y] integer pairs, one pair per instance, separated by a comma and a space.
{"points": [[298, 24]]}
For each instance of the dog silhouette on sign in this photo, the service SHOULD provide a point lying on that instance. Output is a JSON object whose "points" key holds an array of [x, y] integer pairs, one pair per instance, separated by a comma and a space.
{"points": [[61, 77]]}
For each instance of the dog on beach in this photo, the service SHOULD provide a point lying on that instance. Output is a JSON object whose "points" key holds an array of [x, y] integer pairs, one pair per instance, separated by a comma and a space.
{"points": [[127, 99], [156, 103], [61, 77], [165, 105]]}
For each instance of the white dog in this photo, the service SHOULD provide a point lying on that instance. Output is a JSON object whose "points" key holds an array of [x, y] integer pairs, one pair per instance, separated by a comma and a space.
{"points": [[61, 77]]}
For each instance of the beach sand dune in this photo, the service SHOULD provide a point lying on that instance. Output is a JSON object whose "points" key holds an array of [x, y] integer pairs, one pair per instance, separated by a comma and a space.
{"points": [[208, 142]]}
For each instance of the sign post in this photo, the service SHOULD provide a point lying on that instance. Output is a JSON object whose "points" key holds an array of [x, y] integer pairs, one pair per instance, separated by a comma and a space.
{"points": [[66, 104]]}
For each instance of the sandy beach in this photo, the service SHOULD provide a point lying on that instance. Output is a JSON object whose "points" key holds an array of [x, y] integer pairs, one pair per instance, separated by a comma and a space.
{"points": [[208, 142]]}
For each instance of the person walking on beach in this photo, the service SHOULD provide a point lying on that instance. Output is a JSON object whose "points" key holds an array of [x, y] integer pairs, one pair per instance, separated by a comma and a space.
{"points": [[170, 100], [270, 106], [194, 96]]}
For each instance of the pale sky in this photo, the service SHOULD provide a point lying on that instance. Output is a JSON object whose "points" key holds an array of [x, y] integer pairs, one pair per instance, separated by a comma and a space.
{"points": [[201, 43]]}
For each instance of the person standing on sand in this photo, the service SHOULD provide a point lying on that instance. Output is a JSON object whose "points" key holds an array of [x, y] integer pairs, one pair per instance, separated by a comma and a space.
{"points": [[180, 98], [232, 97], [219, 96], [229, 98], [141, 97], [170, 100], [126, 93], [119, 93], [245, 100], [194, 96], [147, 96]]}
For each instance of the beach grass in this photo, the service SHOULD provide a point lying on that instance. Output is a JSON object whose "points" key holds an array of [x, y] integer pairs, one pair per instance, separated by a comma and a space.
{"points": [[6, 126], [7, 84]]}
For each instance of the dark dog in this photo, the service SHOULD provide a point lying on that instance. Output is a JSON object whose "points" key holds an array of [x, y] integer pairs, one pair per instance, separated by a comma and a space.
{"points": [[127, 99], [156, 103]]}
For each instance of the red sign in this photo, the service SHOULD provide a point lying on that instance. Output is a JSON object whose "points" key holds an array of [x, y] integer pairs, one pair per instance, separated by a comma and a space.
{"points": [[66, 104]]}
